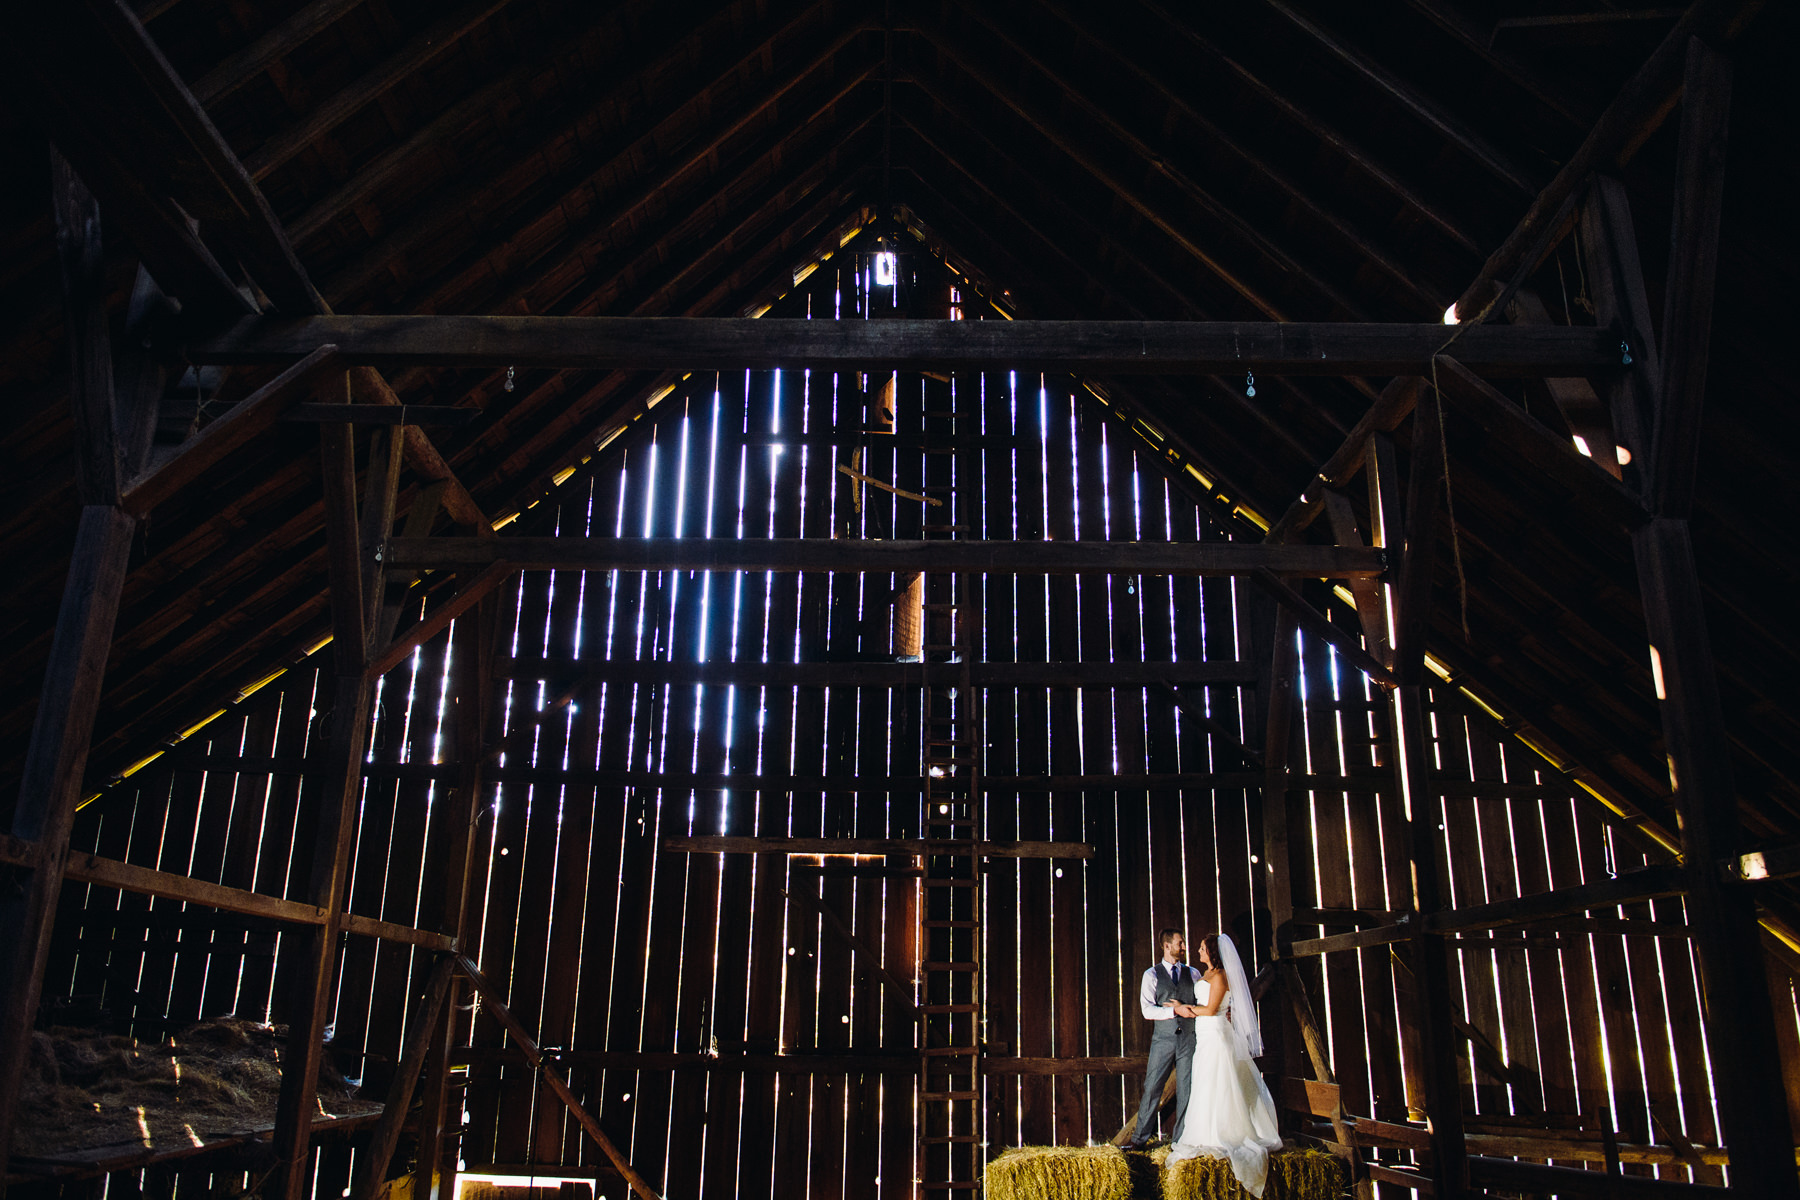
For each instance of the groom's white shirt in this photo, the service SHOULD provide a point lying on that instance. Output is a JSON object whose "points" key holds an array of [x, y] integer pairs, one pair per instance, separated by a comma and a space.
{"points": [[1147, 993]]}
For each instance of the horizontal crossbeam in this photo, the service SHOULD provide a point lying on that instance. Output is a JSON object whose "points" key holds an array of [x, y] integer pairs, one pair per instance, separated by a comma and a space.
{"points": [[1098, 347], [1652, 883], [850, 556], [882, 846], [883, 674], [146, 881]]}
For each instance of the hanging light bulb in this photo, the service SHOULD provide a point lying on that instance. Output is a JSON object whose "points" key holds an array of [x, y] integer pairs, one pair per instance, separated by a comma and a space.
{"points": [[1250, 383], [887, 268]]}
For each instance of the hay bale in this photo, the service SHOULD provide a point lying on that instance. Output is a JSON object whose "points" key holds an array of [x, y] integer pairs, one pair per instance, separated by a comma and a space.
{"points": [[1060, 1173], [1293, 1175], [84, 1088]]}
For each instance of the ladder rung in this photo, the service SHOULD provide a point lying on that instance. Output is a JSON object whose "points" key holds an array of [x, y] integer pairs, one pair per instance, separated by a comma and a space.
{"points": [[950, 1051], [952, 1137], [930, 1010], [945, 528], [949, 1095]]}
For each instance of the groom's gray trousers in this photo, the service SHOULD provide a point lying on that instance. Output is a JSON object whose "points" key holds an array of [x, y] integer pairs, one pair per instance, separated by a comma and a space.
{"points": [[1171, 1048]]}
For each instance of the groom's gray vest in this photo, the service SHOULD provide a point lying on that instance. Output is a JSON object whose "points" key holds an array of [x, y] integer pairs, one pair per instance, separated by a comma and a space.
{"points": [[1181, 991]]}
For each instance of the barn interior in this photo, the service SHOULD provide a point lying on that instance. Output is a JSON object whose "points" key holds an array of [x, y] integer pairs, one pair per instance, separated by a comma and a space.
{"points": [[656, 600]]}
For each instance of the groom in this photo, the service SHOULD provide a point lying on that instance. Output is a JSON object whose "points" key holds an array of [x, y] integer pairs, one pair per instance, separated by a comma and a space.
{"points": [[1167, 1000]]}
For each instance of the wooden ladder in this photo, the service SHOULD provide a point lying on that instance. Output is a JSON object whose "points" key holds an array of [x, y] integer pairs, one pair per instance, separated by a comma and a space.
{"points": [[950, 1028]]}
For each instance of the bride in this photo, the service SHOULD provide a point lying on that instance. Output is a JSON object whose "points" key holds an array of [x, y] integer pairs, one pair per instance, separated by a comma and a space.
{"points": [[1229, 1111]]}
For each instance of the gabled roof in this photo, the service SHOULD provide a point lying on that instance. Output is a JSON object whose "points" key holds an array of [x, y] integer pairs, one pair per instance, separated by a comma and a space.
{"points": [[1275, 160]]}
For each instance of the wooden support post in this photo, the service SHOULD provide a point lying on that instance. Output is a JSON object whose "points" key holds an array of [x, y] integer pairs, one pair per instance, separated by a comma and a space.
{"points": [[373, 1164], [553, 1078], [1617, 283], [51, 781], [472, 668], [1413, 763], [1371, 606], [1740, 1027], [377, 524], [349, 624], [57, 755], [340, 787], [1283, 679], [1314, 1039]]}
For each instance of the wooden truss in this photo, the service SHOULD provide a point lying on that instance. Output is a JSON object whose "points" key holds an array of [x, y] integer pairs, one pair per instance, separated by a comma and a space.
{"points": [[331, 360]]}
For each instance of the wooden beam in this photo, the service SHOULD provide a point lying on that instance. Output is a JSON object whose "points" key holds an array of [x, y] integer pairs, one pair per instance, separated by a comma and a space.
{"points": [[1740, 1022], [268, 49], [886, 1062], [315, 957], [392, 931], [856, 555], [1280, 697], [1320, 626], [1371, 603], [372, 1164], [1620, 302], [127, 121], [91, 868], [1413, 768], [1097, 347], [249, 417], [1651, 883], [1393, 406], [882, 674], [1555, 458], [1693, 270], [1740, 1025], [349, 615], [1635, 113], [553, 1078], [50, 782], [472, 679], [381, 490], [423, 456], [438, 619], [866, 846], [1409, 99], [78, 247], [1510, 1175]]}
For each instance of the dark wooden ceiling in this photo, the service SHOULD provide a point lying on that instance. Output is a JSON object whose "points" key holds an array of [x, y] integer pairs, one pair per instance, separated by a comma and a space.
{"points": [[1276, 159]]}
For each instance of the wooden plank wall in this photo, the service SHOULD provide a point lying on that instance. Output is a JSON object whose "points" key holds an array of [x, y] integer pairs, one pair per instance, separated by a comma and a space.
{"points": [[611, 948]]}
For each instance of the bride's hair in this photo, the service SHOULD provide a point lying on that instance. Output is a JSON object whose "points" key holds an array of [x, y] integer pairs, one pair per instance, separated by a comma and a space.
{"points": [[1210, 943]]}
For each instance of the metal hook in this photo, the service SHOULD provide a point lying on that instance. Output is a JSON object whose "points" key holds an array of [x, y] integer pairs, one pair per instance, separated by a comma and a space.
{"points": [[508, 385], [1250, 383], [1625, 354]]}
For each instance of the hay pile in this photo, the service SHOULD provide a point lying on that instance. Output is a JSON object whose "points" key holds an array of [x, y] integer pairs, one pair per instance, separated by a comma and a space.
{"points": [[1293, 1175], [1060, 1173], [83, 1090], [1109, 1173]]}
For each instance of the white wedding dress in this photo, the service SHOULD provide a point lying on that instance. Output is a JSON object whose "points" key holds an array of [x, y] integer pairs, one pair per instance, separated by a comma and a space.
{"points": [[1229, 1111]]}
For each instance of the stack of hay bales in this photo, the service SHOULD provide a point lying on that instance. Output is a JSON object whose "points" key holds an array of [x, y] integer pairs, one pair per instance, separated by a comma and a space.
{"points": [[1293, 1175], [1109, 1173], [1060, 1173]]}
